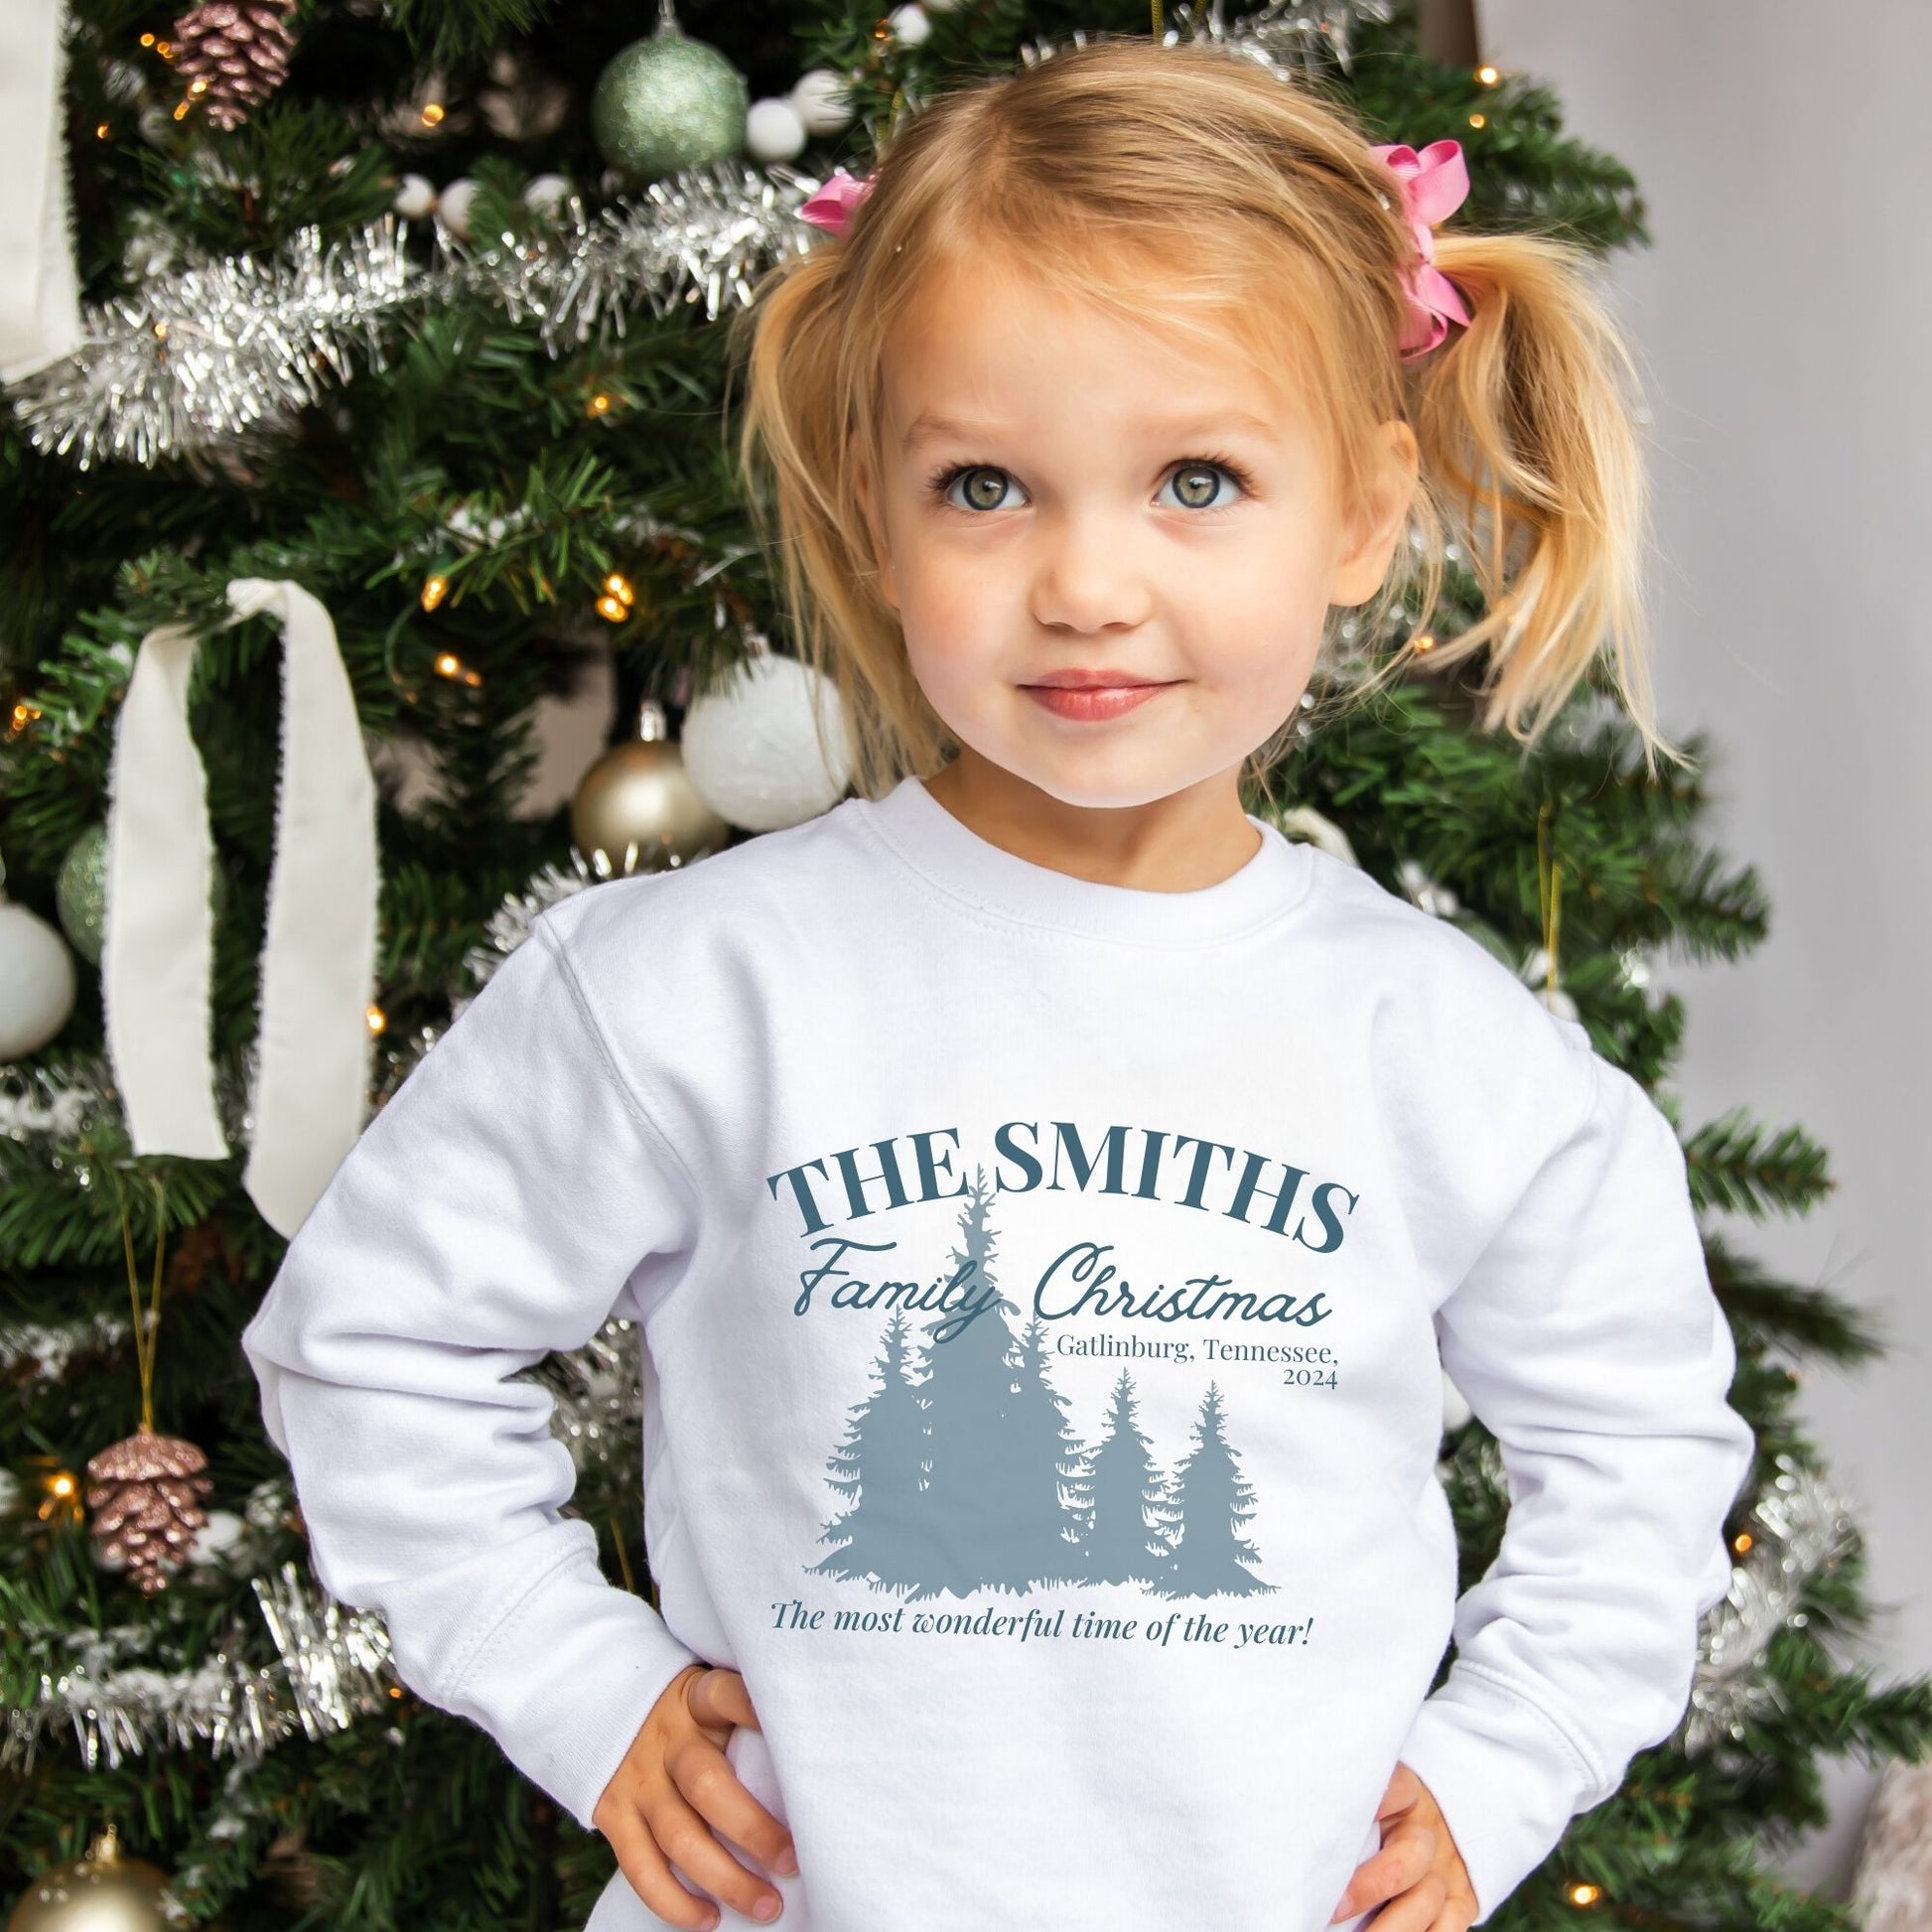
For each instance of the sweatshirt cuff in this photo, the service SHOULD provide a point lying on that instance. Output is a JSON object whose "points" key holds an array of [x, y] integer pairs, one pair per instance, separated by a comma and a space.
{"points": [[1505, 1776], [564, 1681]]}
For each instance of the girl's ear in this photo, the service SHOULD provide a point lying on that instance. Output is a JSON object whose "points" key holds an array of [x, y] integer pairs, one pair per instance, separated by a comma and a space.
{"points": [[882, 556], [1361, 568]]}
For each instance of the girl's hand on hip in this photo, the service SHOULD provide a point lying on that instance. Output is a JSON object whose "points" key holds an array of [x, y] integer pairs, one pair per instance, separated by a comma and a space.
{"points": [[1418, 1871], [674, 1784]]}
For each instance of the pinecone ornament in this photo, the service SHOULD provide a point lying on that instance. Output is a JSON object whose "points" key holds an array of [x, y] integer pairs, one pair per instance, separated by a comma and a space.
{"points": [[144, 1499], [233, 54]]}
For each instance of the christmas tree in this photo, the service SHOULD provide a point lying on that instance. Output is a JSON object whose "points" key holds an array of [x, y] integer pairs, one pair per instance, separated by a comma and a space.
{"points": [[408, 346]]}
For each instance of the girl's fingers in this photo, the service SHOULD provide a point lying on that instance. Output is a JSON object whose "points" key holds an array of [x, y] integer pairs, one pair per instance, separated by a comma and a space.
{"points": [[1416, 1910], [719, 1696], [1407, 1853], [710, 1798], [650, 1876]]}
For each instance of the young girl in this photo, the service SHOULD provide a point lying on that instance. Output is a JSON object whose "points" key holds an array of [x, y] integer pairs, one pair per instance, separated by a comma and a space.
{"points": [[1047, 1194]]}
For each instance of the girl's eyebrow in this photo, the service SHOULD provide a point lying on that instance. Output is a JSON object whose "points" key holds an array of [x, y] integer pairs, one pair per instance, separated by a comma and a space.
{"points": [[930, 426]]}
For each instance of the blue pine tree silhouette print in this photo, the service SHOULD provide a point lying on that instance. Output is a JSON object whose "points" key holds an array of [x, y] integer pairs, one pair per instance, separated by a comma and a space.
{"points": [[1121, 1483], [966, 1394], [1207, 1502], [880, 1467], [970, 1477], [1035, 1458]]}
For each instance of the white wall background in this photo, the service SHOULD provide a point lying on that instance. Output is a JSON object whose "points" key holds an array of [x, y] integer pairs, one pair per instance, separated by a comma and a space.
{"points": [[1781, 319]]}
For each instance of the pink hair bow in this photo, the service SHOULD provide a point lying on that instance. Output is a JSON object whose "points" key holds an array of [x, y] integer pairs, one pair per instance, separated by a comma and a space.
{"points": [[1433, 185], [832, 206]]}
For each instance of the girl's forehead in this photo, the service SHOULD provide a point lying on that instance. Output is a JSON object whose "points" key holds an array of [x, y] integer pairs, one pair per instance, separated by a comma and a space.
{"points": [[968, 349]]}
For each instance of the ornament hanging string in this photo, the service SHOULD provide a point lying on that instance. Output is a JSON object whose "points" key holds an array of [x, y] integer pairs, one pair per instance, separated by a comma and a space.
{"points": [[147, 1329], [1548, 883]]}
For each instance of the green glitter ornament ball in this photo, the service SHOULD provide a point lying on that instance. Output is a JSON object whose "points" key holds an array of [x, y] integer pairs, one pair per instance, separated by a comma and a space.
{"points": [[80, 892], [668, 102]]}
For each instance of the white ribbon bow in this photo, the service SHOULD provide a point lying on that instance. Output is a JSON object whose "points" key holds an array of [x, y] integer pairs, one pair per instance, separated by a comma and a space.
{"points": [[318, 963], [40, 300]]}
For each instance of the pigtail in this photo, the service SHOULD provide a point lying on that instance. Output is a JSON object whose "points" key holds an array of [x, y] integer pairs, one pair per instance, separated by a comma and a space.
{"points": [[804, 411], [1530, 449]]}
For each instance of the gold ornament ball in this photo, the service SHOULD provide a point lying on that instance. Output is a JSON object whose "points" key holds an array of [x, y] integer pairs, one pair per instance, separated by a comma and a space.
{"points": [[102, 1892], [636, 810]]}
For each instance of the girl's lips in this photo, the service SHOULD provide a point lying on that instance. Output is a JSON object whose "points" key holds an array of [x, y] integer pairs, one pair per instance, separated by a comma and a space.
{"points": [[1095, 701]]}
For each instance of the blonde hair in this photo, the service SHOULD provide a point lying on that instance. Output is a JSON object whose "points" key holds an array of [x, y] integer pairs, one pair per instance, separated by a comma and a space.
{"points": [[1185, 188]]}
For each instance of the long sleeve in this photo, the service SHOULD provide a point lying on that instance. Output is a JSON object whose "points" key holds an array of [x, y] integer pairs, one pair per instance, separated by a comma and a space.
{"points": [[490, 1213], [1588, 1339]]}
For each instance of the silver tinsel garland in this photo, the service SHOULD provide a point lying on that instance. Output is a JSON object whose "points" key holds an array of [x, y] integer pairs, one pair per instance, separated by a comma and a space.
{"points": [[699, 237], [42, 1104], [204, 357], [599, 1398], [509, 925], [334, 1666], [207, 355], [212, 351], [1806, 1529]]}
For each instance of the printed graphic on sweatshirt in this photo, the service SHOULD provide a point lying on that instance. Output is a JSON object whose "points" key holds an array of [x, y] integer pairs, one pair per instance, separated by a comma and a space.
{"points": [[963, 1466]]}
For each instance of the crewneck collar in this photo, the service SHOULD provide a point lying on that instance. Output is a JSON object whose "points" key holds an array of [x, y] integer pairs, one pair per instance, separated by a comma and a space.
{"points": [[991, 880]]}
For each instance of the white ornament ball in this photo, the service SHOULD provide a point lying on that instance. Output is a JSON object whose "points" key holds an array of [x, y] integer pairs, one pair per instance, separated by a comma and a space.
{"points": [[823, 100], [455, 206], [1455, 1405], [546, 193], [219, 1535], [909, 26], [751, 750], [1304, 822], [36, 981], [1557, 1000], [773, 130], [415, 197]]}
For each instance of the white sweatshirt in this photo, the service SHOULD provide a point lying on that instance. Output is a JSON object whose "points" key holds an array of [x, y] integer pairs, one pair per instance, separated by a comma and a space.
{"points": [[1041, 1286]]}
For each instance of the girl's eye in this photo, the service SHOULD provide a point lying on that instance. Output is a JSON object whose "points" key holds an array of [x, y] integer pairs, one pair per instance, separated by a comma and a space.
{"points": [[986, 483]]}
